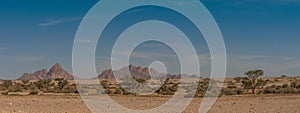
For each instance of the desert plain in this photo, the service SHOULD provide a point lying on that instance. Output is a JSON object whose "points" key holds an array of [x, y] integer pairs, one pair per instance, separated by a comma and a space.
{"points": [[225, 104]]}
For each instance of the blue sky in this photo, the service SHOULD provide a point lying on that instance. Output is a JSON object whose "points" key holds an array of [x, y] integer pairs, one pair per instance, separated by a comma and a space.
{"points": [[259, 34]]}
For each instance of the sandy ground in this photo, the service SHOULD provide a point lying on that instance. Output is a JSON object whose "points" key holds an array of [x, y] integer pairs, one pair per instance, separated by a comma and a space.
{"points": [[226, 104]]}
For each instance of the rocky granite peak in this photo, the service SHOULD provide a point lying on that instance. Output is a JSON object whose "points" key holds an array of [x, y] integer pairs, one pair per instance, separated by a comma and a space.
{"points": [[56, 71], [134, 71]]}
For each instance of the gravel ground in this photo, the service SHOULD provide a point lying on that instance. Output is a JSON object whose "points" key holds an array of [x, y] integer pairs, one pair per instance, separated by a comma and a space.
{"points": [[226, 104]]}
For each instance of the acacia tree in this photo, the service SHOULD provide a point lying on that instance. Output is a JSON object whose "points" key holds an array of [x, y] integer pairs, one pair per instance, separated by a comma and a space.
{"points": [[252, 76]]}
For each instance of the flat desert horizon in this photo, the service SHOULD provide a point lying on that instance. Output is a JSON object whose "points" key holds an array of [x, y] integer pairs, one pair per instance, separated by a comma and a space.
{"points": [[279, 94]]}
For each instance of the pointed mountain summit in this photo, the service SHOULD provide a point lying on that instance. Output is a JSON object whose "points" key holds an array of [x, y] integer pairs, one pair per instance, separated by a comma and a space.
{"points": [[56, 71], [56, 67]]}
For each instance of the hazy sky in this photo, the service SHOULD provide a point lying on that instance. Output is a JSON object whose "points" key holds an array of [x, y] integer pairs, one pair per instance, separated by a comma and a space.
{"points": [[259, 34]]}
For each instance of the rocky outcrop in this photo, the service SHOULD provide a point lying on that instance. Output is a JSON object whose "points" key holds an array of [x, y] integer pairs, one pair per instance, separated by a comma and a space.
{"points": [[134, 71], [58, 72], [55, 72], [38, 75], [106, 75]]}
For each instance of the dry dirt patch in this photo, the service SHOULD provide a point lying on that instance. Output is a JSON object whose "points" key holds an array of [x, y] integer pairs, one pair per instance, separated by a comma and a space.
{"points": [[226, 104]]}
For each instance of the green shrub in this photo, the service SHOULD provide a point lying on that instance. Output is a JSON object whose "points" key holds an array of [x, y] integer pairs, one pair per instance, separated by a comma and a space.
{"points": [[34, 92], [288, 90], [119, 90], [270, 90], [4, 93], [247, 84], [167, 92], [107, 91], [167, 89], [295, 84], [25, 82], [127, 93], [285, 85], [227, 91], [69, 89], [239, 91], [15, 88], [7, 84], [280, 90]]}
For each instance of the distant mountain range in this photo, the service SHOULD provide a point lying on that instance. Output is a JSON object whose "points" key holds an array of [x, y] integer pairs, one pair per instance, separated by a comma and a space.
{"points": [[57, 71]]}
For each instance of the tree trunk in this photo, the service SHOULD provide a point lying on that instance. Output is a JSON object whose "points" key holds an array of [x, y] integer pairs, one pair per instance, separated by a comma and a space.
{"points": [[253, 86]]}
